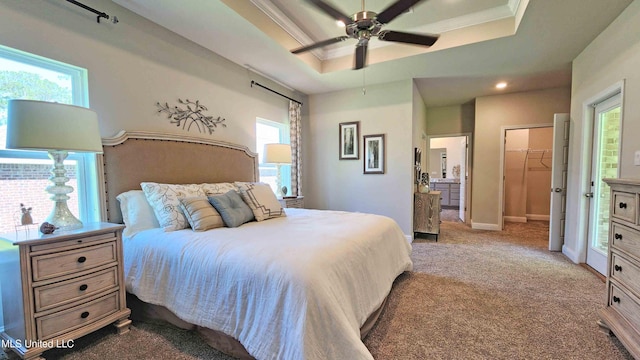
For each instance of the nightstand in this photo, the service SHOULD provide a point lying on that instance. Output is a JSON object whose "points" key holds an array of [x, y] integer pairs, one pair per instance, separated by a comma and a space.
{"points": [[59, 287], [292, 202]]}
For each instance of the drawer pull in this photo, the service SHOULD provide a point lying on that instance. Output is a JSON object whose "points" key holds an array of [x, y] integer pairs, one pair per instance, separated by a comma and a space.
{"points": [[622, 205], [82, 259], [85, 314], [618, 236], [84, 287], [616, 299], [617, 268]]}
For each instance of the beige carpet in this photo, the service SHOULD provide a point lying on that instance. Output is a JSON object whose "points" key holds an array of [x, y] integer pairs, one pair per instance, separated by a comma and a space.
{"points": [[472, 295]]}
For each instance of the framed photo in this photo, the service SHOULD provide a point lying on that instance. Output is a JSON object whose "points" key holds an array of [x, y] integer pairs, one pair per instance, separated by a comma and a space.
{"points": [[374, 154], [349, 146]]}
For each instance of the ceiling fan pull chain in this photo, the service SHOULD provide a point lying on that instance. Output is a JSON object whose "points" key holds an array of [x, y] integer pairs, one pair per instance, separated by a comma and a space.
{"points": [[364, 85]]}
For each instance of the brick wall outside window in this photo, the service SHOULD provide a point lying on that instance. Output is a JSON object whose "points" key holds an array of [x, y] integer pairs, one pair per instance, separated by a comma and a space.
{"points": [[26, 184]]}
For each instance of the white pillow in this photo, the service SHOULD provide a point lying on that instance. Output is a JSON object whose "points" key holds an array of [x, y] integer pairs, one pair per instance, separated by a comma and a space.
{"points": [[261, 200], [165, 201], [217, 188], [137, 214]]}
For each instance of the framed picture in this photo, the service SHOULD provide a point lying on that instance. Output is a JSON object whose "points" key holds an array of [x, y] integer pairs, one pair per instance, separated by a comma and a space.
{"points": [[374, 154], [349, 147]]}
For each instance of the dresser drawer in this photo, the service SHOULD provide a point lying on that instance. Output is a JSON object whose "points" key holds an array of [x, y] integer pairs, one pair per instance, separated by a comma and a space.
{"points": [[625, 238], [625, 304], [76, 289], [68, 262], [625, 272], [74, 243], [624, 206], [61, 322]]}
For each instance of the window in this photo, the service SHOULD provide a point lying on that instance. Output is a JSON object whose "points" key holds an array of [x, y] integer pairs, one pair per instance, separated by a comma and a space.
{"points": [[24, 174], [269, 132]]}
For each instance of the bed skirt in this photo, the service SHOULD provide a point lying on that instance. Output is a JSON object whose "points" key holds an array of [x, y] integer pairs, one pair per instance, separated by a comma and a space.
{"points": [[141, 311]]}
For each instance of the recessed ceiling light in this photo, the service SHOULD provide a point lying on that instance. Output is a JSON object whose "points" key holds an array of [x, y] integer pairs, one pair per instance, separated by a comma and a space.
{"points": [[501, 85], [340, 23]]}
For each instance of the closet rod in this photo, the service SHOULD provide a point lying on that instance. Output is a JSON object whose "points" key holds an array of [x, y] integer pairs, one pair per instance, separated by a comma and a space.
{"points": [[275, 92]]}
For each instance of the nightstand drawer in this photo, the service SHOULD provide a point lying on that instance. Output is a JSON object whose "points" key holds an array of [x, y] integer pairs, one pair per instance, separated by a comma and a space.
{"points": [[61, 322], [68, 262], [65, 292], [75, 243], [625, 304], [624, 206], [292, 202], [625, 238], [625, 272]]}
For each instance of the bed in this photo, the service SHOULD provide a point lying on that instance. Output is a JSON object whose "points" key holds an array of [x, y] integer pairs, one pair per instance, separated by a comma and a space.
{"points": [[308, 285]]}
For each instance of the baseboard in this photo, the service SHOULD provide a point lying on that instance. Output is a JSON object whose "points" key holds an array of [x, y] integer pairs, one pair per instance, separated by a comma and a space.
{"points": [[409, 238], [481, 226], [518, 219], [541, 217]]}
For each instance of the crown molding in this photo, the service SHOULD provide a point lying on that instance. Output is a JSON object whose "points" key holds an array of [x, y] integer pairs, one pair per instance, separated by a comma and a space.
{"points": [[278, 17]]}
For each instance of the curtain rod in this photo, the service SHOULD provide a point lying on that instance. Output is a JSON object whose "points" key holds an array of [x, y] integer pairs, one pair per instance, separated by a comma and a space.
{"points": [[99, 13], [275, 92]]}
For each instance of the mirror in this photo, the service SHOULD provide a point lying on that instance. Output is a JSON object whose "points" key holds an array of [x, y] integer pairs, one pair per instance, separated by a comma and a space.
{"points": [[438, 163]]}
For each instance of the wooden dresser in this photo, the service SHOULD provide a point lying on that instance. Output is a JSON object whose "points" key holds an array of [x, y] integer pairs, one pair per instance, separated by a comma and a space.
{"points": [[622, 312], [426, 213], [59, 287]]}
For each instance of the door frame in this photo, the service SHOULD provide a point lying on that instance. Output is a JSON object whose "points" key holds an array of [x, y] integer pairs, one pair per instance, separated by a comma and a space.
{"points": [[588, 113], [503, 139], [469, 168]]}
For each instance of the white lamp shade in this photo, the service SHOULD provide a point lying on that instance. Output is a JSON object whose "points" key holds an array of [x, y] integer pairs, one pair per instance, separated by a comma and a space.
{"points": [[277, 154], [41, 125]]}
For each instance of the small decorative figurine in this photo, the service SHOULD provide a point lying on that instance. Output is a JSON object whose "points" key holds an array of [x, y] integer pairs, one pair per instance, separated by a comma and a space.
{"points": [[26, 218], [47, 228]]}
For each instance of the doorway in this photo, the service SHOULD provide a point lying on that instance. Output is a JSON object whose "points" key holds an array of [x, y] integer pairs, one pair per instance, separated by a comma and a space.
{"points": [[604, 164], [526, 173], [449, 173]]}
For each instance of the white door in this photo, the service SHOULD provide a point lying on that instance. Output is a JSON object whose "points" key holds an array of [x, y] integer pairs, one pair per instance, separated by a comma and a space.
{"points": [[559, 166], [604, 164], [463, 179]]}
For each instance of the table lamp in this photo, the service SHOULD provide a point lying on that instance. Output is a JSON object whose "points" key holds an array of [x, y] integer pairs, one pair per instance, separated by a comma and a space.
{"points": [[278, 154], [57, 128]]}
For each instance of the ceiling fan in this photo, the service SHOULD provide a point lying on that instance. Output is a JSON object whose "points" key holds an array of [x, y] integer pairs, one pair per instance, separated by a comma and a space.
{"points": [[365, 24]]}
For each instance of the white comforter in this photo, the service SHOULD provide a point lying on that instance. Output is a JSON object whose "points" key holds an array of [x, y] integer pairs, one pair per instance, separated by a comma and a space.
{"points": [[296, 287]]}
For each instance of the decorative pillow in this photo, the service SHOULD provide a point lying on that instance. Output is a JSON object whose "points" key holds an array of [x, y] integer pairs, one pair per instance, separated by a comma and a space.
{"points": [[261, 200], [233, 210], [217, 188], [165, 201], [200, 213], [137, 214]]}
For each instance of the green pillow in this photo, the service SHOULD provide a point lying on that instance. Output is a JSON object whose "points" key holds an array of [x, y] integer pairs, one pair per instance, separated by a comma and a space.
{"points": [[233, 210]]}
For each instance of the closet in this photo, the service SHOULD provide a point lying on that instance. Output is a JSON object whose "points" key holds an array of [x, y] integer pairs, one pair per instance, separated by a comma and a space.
{"points": [[527, 174]]}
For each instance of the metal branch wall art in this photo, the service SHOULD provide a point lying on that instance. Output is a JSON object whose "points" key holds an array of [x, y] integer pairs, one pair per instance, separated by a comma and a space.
{"points": [[191, 115]]}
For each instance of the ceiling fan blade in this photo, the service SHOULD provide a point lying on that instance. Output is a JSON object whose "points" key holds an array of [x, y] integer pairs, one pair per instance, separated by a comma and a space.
{"points": [[395, 9], [319, 44], [331, 11], [408, 38], [360, 56]]}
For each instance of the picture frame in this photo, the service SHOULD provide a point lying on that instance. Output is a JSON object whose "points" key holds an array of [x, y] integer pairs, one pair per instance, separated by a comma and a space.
{"points": [[349, 140], [374, 154]]}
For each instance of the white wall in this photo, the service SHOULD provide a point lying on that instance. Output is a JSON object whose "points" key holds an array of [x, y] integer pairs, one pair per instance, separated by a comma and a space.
{"points": [[612, 57], [340, 184]]}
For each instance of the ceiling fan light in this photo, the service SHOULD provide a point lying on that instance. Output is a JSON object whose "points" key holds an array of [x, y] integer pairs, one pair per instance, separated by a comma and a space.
{"points": [[340, 23]]}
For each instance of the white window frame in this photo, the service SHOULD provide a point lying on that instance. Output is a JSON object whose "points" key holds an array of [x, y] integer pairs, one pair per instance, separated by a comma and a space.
{"points": [[285, 138], [87, 179]]}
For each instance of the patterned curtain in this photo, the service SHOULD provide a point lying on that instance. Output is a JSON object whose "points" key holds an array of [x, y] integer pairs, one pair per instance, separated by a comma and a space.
{"points": [[295, 122]]}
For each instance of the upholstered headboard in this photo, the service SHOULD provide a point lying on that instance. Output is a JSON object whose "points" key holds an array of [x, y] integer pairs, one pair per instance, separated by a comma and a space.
{"points": [[133, 157]]}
